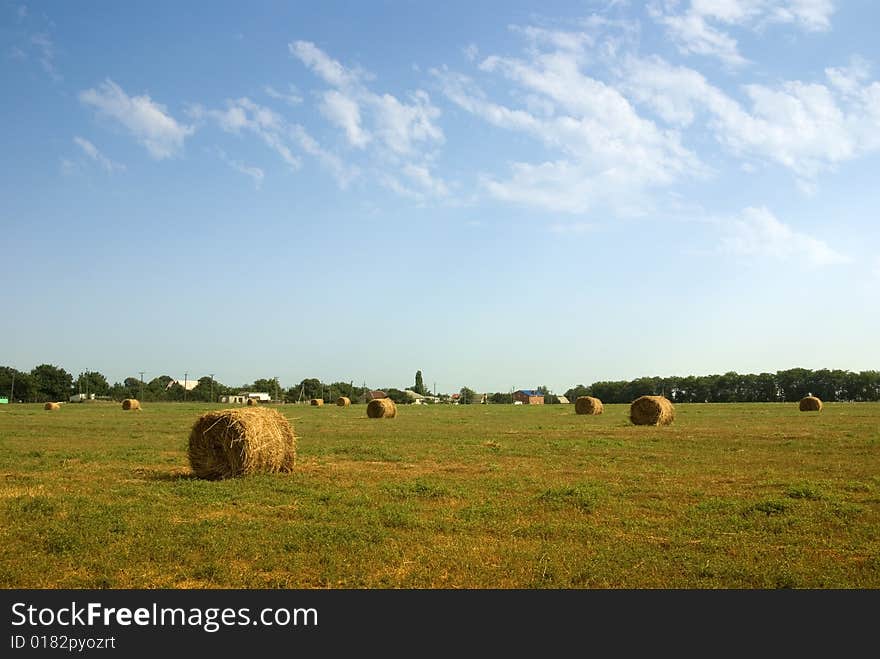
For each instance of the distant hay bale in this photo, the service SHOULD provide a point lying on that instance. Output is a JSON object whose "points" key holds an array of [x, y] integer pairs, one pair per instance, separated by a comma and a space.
{"points": [[810, 404], [52, 406], [131, 404], [252, 402], [241, 441], [588, 405], [343, 401], [381, 408], [651, 411], [317, 402]]}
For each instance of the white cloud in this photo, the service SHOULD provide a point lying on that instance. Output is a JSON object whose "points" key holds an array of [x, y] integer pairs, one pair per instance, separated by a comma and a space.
{"points": [[47, 54], [807, 127], [254, 173], [147, 121], [92, 152], [345, 113], [395, 132], [326, 67], [758, 233], [342, 171], [272, 129], [603, 152], [402, 126], [243, 114], [697, 29], [291, 97]]}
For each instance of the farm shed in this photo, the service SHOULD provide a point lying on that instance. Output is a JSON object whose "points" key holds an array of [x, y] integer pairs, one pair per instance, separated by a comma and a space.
{"points": [[528, 397]]}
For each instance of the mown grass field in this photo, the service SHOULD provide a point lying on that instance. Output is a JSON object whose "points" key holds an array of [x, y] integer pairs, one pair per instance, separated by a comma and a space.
{"points": [[729, 496]]}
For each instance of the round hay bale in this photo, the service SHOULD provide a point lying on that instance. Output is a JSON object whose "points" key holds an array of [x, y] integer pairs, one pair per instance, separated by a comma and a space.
{"points": [[241, 441], [317, 402], [651, 411], [343, 401], [131, 404], [52, 406], [588, 405], [810, 404], [252, 402], [381, 408]]}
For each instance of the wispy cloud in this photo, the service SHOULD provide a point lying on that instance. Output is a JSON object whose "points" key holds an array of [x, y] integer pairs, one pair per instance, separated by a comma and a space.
{"points": [[291, 97], [400, 134], [244, 115], [92, 152], [808, 127], [759, 234], [254, 173], [46, 50], [701, 28], [601, 150], [147, 121]]}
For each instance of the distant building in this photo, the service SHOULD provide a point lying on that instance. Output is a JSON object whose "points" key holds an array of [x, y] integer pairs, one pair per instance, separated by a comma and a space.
{"points": [[373, 395], [417, 399], [241, 399], [189, 385], [528, 397]]}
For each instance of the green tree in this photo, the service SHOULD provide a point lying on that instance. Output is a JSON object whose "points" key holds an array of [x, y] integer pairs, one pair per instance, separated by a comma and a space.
{"points": [[468, 396], [52, 383], [576, 392], [419, 386], [17, 385], [92, 382], [398, 396]]}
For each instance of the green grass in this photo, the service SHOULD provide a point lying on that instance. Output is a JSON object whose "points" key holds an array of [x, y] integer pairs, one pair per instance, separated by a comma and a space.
{"points": [[729, 496]]}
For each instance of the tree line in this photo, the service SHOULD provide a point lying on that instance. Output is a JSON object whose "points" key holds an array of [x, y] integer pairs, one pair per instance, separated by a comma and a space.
{"points": [[48, 382]]}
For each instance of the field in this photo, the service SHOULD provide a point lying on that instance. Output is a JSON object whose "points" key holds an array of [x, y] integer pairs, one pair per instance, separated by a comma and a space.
{"points": [[730, 496]]}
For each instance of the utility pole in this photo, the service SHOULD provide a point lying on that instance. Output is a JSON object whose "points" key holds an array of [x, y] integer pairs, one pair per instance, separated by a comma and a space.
{"points": [[185, 374], [12, 389], [141, 392], [212, 387]]}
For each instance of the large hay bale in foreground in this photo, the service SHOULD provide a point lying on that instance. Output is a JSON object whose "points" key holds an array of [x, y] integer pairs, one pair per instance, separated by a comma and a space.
{"points": [[381, 408], [317, 402], [252, 402], [131, 404], [241, 441], [343, 401], [810, 404], [588, 405], [651, 411], [52, 406]]}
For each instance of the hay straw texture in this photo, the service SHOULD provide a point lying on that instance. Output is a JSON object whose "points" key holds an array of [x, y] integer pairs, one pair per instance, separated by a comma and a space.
{"points": [[252, 402], [343, 401], [52, 406], [810, 404], [381, 408], [241, 441], [651, 411], [317, 402], [131, 404], [588, 405]]}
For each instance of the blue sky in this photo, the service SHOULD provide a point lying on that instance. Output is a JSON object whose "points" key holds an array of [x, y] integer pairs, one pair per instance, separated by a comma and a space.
{"points": [[500, 194]]}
